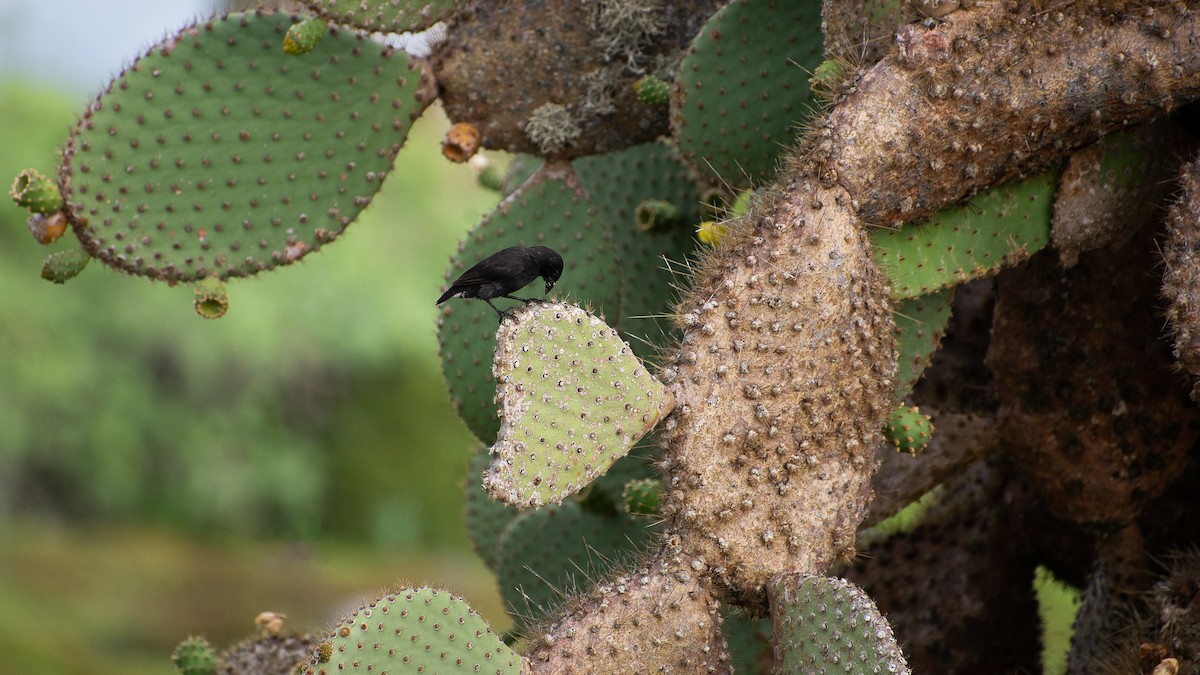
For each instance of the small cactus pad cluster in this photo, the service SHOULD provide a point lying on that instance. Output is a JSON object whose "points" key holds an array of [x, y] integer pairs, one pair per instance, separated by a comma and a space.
{"points": [[420, 630], [62, 266], [1000, 227], [195, 656], [908, 430], [821, 624], [573, 399], [214, 155], [743, 87]]}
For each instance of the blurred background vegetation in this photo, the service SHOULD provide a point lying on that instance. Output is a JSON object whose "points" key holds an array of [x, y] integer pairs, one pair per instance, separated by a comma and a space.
{"points": [[161, 474]]}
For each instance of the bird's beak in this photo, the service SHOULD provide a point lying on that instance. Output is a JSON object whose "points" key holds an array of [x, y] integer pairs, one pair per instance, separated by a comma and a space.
{"points": [[549, 285]]}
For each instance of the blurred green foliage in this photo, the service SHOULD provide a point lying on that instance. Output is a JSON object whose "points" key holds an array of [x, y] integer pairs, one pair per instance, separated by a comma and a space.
{"points": [[314, 408]]}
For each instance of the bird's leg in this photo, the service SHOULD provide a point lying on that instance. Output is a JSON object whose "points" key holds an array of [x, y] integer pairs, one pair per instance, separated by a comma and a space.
{"points": [[525, 300], [502, 315]]}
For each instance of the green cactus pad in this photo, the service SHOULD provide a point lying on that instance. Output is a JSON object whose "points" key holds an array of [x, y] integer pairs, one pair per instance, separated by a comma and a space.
{"points": [[820, 624], [195, 656], [743, 87], [908, 430], [212, 300], [649, 262], [418, 630], [217, 154], [1000, 227], [519, 170], [748, 640], [643, 496], [384, 16], [920, 326], [485, 517], [552, 554], [62, 266], [39, 194], [551, 214], [652, 90], [304, 37], [573, 399]]}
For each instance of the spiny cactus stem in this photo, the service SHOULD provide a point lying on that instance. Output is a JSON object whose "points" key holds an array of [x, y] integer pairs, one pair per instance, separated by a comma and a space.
{"points": [[975, 68]]}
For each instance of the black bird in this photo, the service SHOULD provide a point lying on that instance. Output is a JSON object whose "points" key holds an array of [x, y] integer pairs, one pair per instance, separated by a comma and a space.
{"points": [[503, 272]]}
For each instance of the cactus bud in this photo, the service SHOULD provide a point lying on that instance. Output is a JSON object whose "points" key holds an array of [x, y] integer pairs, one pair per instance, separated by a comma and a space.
{"points": [[303, 37], [37, 193]]}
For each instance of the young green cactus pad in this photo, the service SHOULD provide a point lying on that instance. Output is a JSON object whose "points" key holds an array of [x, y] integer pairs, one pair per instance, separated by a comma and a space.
{"points": [[384, 16], [195, 656], [1000, 227], [820, 624], [653, 90], [743, 87], [303, 37], [62, 266], [550, 555], [643, 496], [573, 399], [920, 325], [33, 191], [419, 630], [217, 154], [908, 429]]}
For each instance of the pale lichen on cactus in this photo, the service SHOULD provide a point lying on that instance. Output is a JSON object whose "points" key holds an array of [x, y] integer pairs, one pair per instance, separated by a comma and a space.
{"points": [[573, 399]]}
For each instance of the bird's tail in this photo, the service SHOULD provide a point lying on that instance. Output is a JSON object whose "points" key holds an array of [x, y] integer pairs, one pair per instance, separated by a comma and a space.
{"points": [[447, 295]]}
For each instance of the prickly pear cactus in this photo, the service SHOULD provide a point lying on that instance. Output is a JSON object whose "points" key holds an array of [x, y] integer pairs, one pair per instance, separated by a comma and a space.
{"points": [[999, 228], [195, 656], [573, 400], [412, 631], [743, 87], [587, 212], [819, 624], [215, 154], [549, 555], [920, 325], [907, 429]]}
